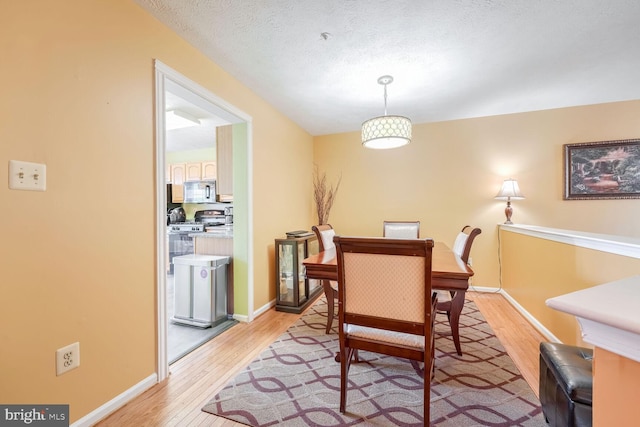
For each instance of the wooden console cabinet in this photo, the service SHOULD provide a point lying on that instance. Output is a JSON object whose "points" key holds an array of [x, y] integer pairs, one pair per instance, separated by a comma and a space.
{"points": [[294, 292]]}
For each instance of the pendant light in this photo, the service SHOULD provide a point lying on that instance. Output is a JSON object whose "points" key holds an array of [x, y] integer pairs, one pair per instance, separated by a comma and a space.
{"points": [[386, 131]]}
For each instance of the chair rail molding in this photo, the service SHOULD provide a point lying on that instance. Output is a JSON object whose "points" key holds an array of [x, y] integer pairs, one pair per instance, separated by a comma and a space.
{"points": [[619, 245]]}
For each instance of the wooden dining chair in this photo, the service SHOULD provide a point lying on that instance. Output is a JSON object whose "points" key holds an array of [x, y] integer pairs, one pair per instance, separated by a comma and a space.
{"points": [[385, 303], [401, 229], [324, 234], [446, 300]]}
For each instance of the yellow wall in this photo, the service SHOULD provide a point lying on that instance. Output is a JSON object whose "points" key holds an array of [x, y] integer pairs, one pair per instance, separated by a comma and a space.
{"points": [[536, 269], [450, 173], [615, 389], [78, 261]]}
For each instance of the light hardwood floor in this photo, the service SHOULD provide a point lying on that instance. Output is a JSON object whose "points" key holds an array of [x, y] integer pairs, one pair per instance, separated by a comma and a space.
{"points": [[196, 378]]}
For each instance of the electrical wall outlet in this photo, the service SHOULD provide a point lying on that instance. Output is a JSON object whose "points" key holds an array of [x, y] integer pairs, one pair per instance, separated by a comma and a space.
{"points": [[67, 358], [27, 176]]}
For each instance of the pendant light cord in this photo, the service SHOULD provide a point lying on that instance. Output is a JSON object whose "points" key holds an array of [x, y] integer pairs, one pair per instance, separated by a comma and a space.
{"points": [[385, 99]]}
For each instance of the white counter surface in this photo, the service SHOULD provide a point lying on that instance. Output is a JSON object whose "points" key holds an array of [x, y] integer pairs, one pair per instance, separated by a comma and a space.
{"points": [[609, 315], [218, 233]]}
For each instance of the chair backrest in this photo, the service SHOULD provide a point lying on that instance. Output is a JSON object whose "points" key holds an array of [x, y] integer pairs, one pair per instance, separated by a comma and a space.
{"points": [[324, 234], [401, 229], [463, 242], [385, 283]]}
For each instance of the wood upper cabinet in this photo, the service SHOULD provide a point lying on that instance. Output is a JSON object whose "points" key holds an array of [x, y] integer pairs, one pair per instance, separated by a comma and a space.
{"points": [[209, 171], [193, 171], [178, 171], [224, 157]]}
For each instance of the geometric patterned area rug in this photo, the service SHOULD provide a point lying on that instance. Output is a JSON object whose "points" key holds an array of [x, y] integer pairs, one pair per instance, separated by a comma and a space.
{"points": [[296, 382]]}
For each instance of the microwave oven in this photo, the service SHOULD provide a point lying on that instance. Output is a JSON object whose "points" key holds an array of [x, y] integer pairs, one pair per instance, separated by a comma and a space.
{"points": [[200, 192]]}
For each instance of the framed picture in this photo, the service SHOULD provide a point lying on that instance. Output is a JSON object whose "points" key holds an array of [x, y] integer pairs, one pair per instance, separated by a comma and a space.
{"points": [[602, 170]]}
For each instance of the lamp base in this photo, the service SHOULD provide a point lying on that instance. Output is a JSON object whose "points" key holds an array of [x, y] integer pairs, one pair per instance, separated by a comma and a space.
{"points": [[508, 211]]}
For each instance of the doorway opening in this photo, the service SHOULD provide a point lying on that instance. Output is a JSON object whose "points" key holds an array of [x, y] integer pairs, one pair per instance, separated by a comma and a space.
{"points": [[172, 90]]}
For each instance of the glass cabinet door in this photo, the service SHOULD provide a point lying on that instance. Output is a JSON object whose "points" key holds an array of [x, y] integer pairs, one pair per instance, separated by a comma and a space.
{"points": [[312, 249], [285, 271], [293, 290], [302, 294]]}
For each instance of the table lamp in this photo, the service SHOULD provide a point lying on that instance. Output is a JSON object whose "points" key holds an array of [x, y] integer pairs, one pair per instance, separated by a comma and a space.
{"points": [[510, 190]]}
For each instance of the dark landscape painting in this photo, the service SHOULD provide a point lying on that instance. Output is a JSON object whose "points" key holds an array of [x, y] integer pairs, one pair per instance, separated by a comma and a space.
{"points": [[602, 170]]}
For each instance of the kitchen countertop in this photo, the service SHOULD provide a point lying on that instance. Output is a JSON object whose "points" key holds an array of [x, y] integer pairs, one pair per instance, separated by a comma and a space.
{"points": [[223, 232], [608, 315]]}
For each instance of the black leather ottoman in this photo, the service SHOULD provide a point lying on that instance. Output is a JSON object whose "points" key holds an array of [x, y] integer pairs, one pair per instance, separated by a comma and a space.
{"points": [[566, 384]]}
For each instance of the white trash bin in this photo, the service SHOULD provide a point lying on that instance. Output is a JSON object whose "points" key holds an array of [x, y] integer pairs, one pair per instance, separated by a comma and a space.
{"points": [[200, 297]]}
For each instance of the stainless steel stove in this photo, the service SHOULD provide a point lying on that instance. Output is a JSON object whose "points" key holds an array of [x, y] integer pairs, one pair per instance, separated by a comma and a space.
{"points": [[179, 240], [214, 217], [186, 227]]}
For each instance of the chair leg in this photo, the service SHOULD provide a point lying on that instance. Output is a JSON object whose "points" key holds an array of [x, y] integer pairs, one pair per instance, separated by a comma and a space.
{"points": [[329, 294], [426, 399], [453, 294], [456, 308], [345, 361]]}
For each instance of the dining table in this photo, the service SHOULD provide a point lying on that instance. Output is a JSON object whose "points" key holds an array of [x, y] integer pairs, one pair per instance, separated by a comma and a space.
{"points": [[448, 273]]}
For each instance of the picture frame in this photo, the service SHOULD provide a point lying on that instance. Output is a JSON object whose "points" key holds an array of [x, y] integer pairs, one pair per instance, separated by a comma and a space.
{"points": [[602, 170]]}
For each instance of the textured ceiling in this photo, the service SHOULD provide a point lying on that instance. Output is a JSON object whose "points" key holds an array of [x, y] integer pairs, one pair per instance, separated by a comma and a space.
{"points": [[450, 59]]}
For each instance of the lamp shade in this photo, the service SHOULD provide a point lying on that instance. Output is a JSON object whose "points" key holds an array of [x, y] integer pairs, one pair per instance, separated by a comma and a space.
{"points": [[386, 132], [510, 190]]}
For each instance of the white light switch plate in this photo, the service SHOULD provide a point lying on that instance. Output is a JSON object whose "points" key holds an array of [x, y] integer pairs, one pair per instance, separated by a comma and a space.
{"points": [[27, 176]]}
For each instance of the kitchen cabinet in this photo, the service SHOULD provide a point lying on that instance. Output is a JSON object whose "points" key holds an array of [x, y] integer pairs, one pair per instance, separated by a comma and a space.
{"points": [[294, 292], [178, 171], [193, 171], [224, 157], [198, 171], [209, 171]]}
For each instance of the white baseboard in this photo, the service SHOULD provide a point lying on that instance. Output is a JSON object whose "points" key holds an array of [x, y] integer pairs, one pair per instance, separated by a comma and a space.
{"points": [[484, 289], [258, 312], [264, 308], [117, 402], [241, 318], [539, 326]]}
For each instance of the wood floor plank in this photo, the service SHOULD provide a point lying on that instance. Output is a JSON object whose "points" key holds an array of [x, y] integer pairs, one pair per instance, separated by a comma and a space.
{"points": [[197, 377], [517, 335]]}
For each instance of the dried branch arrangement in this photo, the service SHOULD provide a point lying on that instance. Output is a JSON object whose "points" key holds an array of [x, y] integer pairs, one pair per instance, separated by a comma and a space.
{"points": [[323, 195]]}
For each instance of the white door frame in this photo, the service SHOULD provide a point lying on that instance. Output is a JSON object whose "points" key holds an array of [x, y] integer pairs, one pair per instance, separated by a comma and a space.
{"points": [[167, 77]]}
